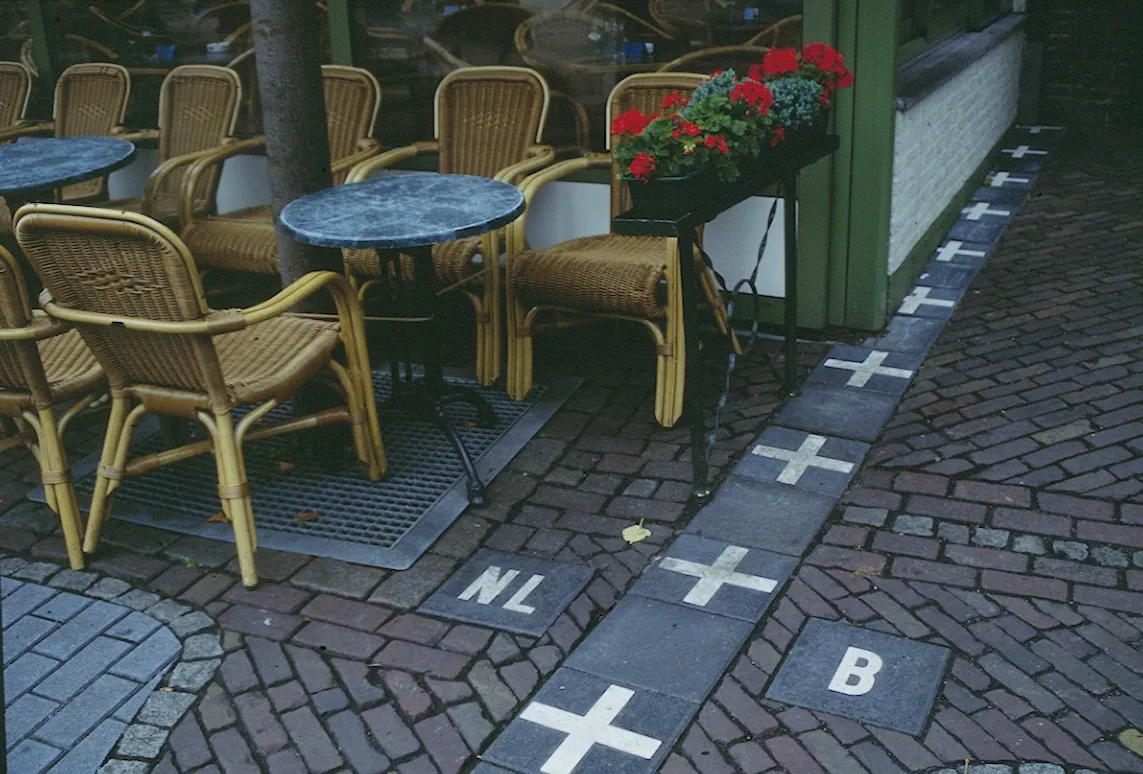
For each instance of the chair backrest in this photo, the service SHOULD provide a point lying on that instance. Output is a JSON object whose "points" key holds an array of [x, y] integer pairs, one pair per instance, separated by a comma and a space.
{"points": [[707, 60], [689, 15], [20, 366], [198, 108], [784, 33], [488, 117], [77, 48], [15, 88], [352, 99], [592, 36], [643, 92], [121, 263], [483, 34], [90, 100]]}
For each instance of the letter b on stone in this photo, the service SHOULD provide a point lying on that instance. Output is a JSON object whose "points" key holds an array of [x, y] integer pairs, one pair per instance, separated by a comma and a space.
{"points": [[855, 675]]}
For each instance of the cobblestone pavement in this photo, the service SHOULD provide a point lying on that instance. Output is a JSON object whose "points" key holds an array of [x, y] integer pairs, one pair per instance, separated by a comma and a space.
{"points": [[999, 515]]}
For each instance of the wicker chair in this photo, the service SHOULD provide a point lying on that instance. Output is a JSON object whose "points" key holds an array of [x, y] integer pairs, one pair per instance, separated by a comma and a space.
{"points": [[198, 108], [689, 17], [15, 88], [608, 276], [246, 240], [131, 288], [563, 40], [488, 123], [43, 363], [784, 33], [707, 60], [78, 48]]}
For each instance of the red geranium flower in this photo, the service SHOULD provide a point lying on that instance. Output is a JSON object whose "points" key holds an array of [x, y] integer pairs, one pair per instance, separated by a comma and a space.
{"points": [[717, 141], [642, 166], [631, 122], [690, 129], [779, 135], [756, 73], [846, 80], [780, 60], [673, 99], [755, 94], [826, 58]]}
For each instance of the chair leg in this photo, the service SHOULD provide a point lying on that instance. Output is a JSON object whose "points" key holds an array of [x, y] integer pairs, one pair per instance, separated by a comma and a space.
{"points": [[116, 425], [233, 491], [361, 377], [55, 474], [489, 348], [671, 371]]}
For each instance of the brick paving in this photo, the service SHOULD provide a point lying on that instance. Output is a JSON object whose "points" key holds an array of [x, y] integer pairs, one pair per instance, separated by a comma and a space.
{"points": [[998, 515]]}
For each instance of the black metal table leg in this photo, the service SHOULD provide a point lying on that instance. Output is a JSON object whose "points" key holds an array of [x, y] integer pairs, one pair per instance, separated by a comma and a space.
{"points": [[692, 400], [790, 199]]}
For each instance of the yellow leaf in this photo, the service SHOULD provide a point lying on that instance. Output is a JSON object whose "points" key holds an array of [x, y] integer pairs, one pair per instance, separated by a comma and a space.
{"points": [[636, 532], [286, 467], [219, 518], [1132, 739], [865, 572], [303, 516]]}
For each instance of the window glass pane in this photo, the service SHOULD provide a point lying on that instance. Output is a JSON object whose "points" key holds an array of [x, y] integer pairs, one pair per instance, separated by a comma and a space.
{"points": [[947, 17]]}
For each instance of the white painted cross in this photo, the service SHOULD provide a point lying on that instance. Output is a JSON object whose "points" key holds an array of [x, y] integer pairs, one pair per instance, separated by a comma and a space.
{"points": [[1000, 178], [806, 457], [1038, 129], [586, 731], [1020, 151], [920, 297], [724, 572], [867, 369], [979, 209], [953, 248]]}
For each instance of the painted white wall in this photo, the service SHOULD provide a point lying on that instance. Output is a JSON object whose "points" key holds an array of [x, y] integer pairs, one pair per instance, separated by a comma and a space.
{"points": [[562, 210], [943, 139]]}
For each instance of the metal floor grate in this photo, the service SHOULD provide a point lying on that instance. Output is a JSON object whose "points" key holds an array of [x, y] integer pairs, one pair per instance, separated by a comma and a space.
{"points": [[387, 524]]}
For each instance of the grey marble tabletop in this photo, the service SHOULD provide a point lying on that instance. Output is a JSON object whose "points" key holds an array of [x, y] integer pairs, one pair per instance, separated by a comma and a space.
{"points": [[402, 210], [44, 164]]}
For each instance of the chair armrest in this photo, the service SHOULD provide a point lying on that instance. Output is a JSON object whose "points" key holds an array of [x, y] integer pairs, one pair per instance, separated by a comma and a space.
{"points": [[26, 129], [390, 157], [162, 172], [39, 328], [446, 56], [230, 147], [142, 134], [539, 156], [367, 148], [532, 184]]}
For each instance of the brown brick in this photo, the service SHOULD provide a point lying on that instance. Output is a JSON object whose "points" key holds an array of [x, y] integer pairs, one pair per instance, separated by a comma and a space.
{"points": [[919, 569], [261, 724], [990, 558], [635, 509], [259, 623], [1080, 507], [415, 628], [422, 660], [1024, 585], [993, 494], [831, 556], [1127, 601], [568, 499], [847, 536], [330, 638], [921, 483], [1115, 534], [269, 596], [1031, 521], [1074, 571], [947, 509], [346, 612], [890, 543]]}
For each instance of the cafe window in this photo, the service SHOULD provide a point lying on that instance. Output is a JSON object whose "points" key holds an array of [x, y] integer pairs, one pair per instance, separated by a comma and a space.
{"points": [[923, 24]]}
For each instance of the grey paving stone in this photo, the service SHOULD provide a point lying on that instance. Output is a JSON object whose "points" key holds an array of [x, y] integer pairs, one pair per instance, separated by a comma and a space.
{"points": [[62, 607], [1040, 768], [859, 514], [167, 610], [987, 230], [992, 538], [73, 580], [134, 627], [201, 646], [520, 594], [109, 588], [804, 460], [26, 714], [193, 675], [89, 708], [897, 694], [861, 368], [26, 598], [926, 301], [8, 586], [73, 635], [649, 724], [488, 768], [771, 516], [86, 755], [191, 623], [142, 741], [958, 252], [1008, 196], [82, 669], [469, 720], [661, 647], [137, 599], [32, 757], [23, 634], [958, 276], [1029, 544], [37, 572], [717, 577], [128, 709], [149, 656], [832, 411], [165, 708], [129, 767], [25, 672], [913, 525], [907, 334]]}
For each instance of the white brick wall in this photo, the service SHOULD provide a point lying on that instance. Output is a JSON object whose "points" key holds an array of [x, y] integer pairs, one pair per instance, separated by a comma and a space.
{"points": [[944, 138]]}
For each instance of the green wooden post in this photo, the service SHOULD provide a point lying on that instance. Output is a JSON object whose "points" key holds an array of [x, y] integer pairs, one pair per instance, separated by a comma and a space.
{"points": [[46, 49], [340, 35], [871, 161]]}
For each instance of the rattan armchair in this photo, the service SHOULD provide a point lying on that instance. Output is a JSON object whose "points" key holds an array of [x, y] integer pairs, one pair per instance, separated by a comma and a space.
{"points": [[245, 240], [784, 33], [566, 40], [608, 276], [76, 47], [44, 363], [198, 108], [15, 88], [707, 60], [130, 287], [488, 123]]}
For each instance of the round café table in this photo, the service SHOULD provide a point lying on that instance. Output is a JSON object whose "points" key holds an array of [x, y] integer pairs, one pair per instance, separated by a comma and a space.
{"points": [[408, 214]]}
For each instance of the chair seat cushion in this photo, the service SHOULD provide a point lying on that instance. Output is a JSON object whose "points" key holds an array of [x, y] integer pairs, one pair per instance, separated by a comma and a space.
{"points": [[608, 273], [452, 261], [70, 367], [165, 208], [273, 358], [242, 240]]}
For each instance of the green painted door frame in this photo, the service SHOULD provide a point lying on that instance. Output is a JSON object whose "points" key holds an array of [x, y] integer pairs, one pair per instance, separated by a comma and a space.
{"points": [[44, 31], [340, 36]]}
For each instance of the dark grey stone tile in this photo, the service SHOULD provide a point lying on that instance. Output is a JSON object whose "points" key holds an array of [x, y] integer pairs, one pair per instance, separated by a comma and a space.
{"points": [[926, 301], [986, 231], [1043, 136], [815, 463], [550, 734], [1008, 196], [521, 594], [1030, 165], [960, 252], [955, 276], [661, 647], [906, 333], [859, 368], [718, 577], [875, 678], [838, 412], [771, 516], [488, 768]]}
